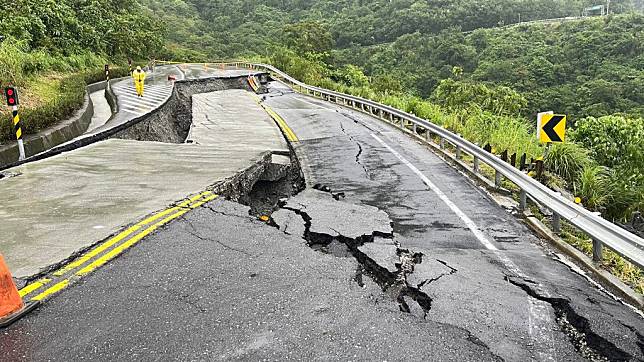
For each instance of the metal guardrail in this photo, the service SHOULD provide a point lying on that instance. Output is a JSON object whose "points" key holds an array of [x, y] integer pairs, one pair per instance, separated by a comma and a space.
{"points": [[602, 231]]}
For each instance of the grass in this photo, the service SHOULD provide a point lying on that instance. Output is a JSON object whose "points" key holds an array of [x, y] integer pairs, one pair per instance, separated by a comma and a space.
{"points": [[567, 160], [49, 98], [612, 262], [568, 164], [51, 87]]}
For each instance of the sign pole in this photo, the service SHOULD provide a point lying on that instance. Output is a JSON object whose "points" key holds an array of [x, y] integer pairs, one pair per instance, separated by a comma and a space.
{"points": [[18, 130]]}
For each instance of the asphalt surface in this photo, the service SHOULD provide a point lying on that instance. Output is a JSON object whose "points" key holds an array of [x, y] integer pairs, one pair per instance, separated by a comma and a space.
{"points": [[482, 268], [157, 90], [390, 254], [219, 285]]}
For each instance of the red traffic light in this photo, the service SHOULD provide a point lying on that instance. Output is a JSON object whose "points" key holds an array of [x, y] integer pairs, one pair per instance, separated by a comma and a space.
{"points": [[11, 95]]}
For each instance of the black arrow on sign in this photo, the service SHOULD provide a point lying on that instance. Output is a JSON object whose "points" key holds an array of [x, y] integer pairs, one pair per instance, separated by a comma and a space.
{"points": [[549, 128]]}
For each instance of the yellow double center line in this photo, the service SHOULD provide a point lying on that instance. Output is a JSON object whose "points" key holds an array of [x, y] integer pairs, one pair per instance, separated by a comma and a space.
{"points": [[141, 230], [288, 132]]}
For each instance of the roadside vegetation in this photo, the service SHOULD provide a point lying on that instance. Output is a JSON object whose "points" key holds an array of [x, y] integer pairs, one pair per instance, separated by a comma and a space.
{"points": [[51, 49], [600, 165]]}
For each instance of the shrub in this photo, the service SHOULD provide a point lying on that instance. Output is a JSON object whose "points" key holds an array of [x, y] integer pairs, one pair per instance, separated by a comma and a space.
{"points": [[68, 98], [614, 141], [514, 135], [462, 94], [567, 160], [594, 187]]}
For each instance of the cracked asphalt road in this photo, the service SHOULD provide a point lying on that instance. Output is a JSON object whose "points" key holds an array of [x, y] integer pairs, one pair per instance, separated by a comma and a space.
{"points": [[482, 269], [220, 285], [411, 281]]}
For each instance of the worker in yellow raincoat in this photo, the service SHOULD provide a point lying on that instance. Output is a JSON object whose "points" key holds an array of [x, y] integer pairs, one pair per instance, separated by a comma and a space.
{"points": [[139, 80]]}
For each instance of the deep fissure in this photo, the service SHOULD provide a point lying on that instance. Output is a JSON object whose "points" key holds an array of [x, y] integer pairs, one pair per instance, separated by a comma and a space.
{"points": [[386, 280], [587, 343]]}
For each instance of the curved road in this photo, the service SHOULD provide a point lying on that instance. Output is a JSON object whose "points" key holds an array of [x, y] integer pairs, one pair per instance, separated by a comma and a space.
{"points": [[389, 254]]}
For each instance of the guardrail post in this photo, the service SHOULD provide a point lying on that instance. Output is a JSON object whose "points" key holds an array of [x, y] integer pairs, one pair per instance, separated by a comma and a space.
{"points": [[458, 152], [556, 223], [476, 164], [497, 178], [415, 129], [598, 251], [442, 143], [523, 200], [391, 117]]}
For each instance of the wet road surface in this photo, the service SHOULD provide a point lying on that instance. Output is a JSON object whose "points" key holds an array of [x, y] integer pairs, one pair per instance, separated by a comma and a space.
{"points": [[389, 254]]}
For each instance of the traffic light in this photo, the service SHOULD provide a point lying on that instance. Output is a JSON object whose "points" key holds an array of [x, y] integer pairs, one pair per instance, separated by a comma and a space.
{"points": [[11, 95]]}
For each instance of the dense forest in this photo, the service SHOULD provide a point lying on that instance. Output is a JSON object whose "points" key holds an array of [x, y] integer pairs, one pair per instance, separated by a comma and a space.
{"points": [[226, 28], [482, 68]]}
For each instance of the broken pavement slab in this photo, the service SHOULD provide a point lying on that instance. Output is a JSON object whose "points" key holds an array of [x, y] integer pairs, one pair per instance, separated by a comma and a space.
{"points": [[384, 255], [429, 271], [60, 205], [334, 218]]}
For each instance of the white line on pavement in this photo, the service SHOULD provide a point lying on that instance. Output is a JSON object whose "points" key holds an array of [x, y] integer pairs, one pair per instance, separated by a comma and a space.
{"points": [[138, 102], [470, 224], [159, 98], [132, 111], [539, 319]]}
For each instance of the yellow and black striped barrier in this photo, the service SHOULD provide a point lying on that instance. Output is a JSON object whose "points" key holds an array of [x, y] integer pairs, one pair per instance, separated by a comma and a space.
{"points": [[16, 124]]}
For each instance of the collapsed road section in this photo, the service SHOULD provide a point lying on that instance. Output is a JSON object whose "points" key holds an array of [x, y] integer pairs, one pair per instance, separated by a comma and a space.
{"points": [[361, 231], [78, 198]]}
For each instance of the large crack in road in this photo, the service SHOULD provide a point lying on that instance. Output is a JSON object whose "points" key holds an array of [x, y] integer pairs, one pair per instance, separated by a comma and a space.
{"points": [[455, 278], [364, 231]]}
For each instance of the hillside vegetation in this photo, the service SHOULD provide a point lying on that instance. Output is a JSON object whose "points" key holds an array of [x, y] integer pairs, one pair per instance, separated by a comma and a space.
{"points": [[51, 48]]}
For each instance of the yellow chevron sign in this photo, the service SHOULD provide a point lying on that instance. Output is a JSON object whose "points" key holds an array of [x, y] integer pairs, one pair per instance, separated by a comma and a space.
{"points": [[552, 128]]}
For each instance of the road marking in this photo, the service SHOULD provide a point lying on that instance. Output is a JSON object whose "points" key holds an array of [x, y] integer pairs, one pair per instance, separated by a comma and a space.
{"points": [[146, 96], [33, 286], [173, 212], [138, 103], [102, 247], [288, 132], [539, 320], [470, 224], [54, 289], [131, 111], [126, 245]]}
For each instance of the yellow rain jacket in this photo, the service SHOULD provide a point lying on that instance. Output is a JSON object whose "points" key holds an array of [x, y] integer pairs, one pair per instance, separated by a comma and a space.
{"points": [[139, 81]]}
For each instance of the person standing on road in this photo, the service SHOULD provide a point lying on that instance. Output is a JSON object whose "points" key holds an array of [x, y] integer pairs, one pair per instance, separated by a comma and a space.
{"points": [[139, 80]]}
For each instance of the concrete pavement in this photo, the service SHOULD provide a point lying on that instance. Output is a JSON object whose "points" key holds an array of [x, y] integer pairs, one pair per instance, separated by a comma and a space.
{"points": [[102, 110], [57, 206], [157, 90]]}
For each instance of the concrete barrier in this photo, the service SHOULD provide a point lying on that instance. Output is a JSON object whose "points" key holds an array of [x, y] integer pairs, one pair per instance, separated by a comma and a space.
{"points": [[55, 135]]}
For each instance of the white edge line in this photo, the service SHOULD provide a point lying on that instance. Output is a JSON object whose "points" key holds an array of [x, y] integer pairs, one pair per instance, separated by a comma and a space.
{"points": [[470, 224]]}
